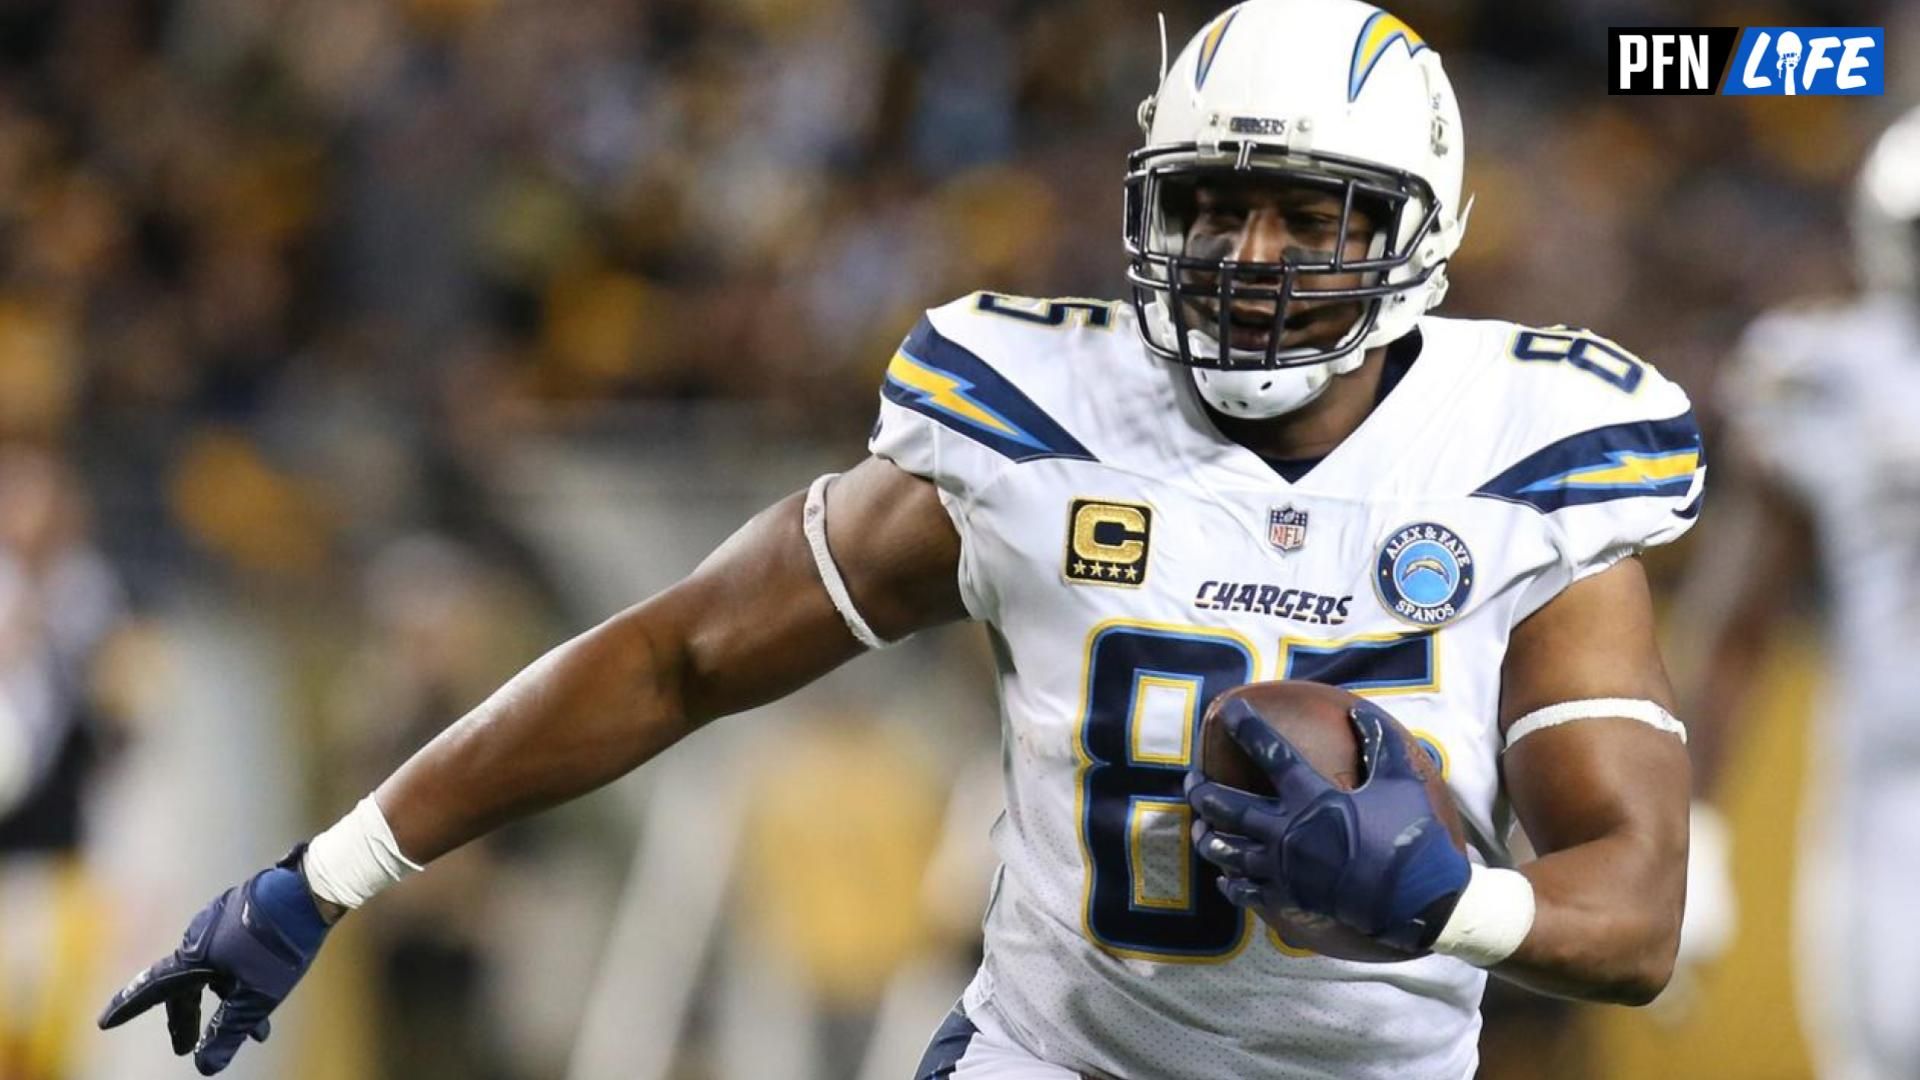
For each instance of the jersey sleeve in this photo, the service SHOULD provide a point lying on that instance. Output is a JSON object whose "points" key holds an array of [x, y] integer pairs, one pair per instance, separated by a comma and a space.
{"points": [[952, 412], [1612, 474]]}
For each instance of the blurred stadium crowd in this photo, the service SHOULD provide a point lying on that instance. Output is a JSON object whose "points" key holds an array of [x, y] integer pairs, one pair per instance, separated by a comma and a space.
{"points": [[351, 351]]}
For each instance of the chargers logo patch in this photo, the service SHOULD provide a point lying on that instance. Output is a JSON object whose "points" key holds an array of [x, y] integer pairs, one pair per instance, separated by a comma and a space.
{"points": [[1107, 542], [1424, 574]]}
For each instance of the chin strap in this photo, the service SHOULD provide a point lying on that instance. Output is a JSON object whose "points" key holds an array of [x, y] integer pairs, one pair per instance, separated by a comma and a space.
{"points": [[1262, 395], [1255, 394]]}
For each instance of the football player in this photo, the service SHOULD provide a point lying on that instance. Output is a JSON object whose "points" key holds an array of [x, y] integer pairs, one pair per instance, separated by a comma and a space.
{"points": [[1269, 462], [1841, 378]]}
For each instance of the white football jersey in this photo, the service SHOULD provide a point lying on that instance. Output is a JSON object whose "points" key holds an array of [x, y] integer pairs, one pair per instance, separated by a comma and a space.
{"points": [[1828, 400], [1132, 563]]}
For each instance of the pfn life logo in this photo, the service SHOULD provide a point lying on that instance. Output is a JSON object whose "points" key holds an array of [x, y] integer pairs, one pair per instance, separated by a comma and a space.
{"points": [[1788, 61], [1794, 60]]}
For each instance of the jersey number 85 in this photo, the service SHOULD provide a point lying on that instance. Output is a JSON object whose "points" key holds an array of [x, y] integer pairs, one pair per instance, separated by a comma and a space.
{"points": [[1148, 894]]}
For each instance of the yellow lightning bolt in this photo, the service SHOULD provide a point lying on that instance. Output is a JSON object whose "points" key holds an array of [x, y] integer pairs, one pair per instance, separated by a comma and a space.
{"points": [[1380, 31], [1635, 470], [1211, 45], [944, 391]]}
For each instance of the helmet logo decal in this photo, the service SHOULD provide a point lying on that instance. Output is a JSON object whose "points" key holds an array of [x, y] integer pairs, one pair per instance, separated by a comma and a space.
{"points": [[1379, 31], [1210, 48]]}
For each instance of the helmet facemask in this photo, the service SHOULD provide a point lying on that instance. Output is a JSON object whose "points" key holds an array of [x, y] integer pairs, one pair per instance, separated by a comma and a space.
{"points": [[1191, 302]]}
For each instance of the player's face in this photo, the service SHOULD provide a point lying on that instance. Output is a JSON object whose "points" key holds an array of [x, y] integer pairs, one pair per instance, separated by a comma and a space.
{"points": [[1259, 220]]}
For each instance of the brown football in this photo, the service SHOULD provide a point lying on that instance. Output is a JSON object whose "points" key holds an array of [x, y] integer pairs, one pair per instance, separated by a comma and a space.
{"points": [[1314, 717]]}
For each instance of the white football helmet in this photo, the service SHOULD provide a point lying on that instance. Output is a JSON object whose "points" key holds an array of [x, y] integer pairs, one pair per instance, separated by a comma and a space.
{"points": [[1886, 210], [1331, 93]]}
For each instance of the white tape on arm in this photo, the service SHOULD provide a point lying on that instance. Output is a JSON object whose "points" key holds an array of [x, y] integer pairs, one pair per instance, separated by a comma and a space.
{"points": [[813, 520], [1647, 712], [352, 862], [1492, 918]]}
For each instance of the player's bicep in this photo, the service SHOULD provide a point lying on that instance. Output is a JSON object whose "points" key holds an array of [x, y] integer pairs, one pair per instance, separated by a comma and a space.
{"points": [[756, 619], [1602, 796], [897, 547], [1572, 782]]}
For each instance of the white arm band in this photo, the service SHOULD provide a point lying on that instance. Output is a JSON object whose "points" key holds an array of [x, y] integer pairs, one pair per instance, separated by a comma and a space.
{"points": [[813, 520], [1647, 712], [353, 861], [1491, 919]]}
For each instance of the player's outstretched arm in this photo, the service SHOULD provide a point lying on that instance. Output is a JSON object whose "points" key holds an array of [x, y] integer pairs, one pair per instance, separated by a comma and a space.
{"points": [[1603, 798], [751, 624]]}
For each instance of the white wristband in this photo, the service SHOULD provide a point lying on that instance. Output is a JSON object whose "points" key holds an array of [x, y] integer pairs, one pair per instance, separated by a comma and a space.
{"points": [[1491, 919], [353, 861]]}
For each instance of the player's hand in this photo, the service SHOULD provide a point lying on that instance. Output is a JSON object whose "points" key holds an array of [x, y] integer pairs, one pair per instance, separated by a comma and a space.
{"points": [[1377, 858], [250, 946]]}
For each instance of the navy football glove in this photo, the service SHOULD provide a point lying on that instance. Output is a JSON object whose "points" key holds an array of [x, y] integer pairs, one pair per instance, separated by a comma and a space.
{"points": [[1376, 859], [250, 946]]}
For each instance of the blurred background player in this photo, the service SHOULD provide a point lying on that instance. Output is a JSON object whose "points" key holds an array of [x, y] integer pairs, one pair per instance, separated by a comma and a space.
{"points": [[1822, 443], [290, 284], [60, 607]]}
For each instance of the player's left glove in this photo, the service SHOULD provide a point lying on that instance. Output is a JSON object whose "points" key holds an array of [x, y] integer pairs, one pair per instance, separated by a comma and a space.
{"points": [[250, 946], [1376, 859]]}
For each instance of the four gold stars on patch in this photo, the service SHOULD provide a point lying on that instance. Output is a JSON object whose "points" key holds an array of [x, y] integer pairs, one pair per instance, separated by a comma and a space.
{"points": [[1110, 571]]}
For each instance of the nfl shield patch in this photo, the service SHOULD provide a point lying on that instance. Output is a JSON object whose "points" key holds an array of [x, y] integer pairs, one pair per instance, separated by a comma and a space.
{"points": [[1287, 528]]}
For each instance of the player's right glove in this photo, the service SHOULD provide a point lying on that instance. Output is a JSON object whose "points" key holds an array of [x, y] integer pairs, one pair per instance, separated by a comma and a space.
{"points": [[250, 946]]}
